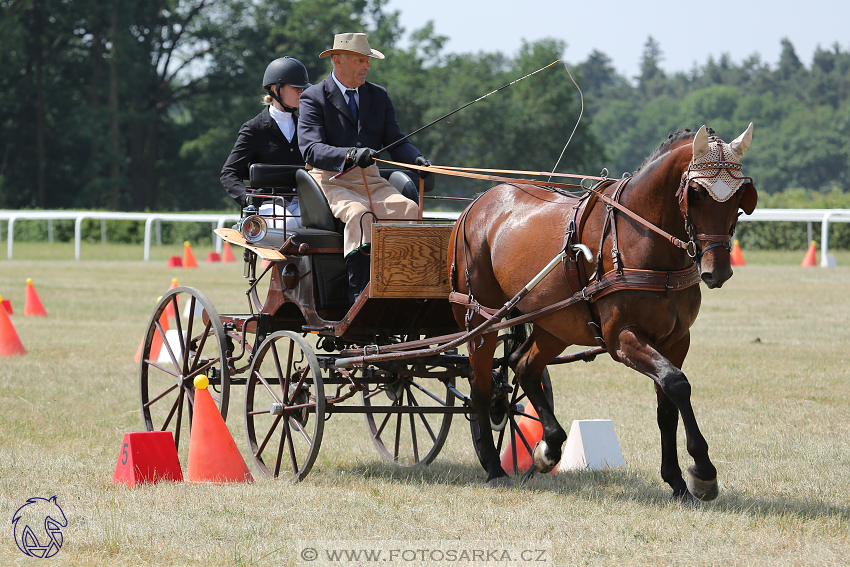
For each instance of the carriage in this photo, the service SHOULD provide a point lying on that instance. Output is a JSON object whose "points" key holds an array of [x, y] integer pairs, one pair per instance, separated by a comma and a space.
{"points": [[633, 251], [285, 348]]}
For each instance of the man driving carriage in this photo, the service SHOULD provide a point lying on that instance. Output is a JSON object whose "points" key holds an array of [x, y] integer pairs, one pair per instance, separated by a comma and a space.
{"points": [[344, 119], [271, 137]]}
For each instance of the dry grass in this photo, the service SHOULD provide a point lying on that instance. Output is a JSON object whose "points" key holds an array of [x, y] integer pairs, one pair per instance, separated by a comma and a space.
{"points": [[775, 413]]}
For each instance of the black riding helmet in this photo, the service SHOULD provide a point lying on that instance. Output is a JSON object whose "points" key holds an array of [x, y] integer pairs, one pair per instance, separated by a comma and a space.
{"points": [[285, 71]]}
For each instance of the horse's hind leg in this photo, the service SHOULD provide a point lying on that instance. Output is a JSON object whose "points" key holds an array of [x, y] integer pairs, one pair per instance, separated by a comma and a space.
{"points": [[529, 371], [481, 392], [635, 350]]}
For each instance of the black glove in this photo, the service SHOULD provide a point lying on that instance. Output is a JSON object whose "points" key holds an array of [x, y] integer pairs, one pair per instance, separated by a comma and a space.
{"points": [[362, 157], [422, 161]]}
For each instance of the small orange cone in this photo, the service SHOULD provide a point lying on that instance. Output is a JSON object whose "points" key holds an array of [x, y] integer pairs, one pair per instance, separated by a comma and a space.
{"points": [[532, 430], [213, 455], [227, 253], [174, 262], [736, 256], [213, 257], [32, 304], [188, 256], [169, 309], [10, 343], [811, 258], [156, 344]]}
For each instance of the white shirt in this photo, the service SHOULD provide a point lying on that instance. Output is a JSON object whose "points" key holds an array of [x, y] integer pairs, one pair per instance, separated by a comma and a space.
{"points": [[284, 121]]}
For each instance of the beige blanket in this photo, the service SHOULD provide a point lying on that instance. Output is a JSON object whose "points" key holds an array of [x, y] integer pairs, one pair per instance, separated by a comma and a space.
{"points": [[349, 201]]}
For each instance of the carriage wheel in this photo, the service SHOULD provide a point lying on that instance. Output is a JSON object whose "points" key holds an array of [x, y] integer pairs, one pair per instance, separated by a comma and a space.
{"points": [[507, 410], [285, 407], [417, 436], [168, 367]]}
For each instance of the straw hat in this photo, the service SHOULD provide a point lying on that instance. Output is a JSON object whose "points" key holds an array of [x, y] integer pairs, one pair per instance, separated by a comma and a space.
{"points": [[352, 43]]}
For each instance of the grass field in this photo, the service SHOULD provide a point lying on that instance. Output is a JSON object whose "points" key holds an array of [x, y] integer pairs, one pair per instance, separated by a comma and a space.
{"points": [[771, 388]]}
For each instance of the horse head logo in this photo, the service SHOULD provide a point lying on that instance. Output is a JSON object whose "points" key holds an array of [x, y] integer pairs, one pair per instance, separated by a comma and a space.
{"points": [[38, 527]]}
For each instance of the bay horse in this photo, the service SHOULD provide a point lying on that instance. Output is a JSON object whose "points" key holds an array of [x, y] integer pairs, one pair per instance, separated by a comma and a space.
{"points": [[634, 293]]}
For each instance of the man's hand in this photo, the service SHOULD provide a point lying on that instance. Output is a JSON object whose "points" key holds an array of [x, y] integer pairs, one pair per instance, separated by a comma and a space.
{"points": [[422, 161], [363, 157]]}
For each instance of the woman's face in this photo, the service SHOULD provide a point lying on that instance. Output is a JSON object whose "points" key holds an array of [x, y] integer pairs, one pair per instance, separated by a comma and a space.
{"points": [[291, 95]]}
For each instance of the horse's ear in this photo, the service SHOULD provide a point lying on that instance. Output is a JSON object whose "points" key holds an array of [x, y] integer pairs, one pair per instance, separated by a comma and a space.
{"points": [[700, 143], [750, 198], [740, 144]]}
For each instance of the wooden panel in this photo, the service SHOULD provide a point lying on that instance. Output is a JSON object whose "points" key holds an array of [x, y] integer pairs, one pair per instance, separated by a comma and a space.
{"points": [[409, 260]]}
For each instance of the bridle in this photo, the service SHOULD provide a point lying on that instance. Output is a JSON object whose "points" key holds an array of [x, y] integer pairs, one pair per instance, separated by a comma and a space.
{"points": [[715, 240]]}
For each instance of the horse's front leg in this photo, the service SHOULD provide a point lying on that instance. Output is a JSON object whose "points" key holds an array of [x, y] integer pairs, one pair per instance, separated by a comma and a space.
{"points": [[634, 349], [481, 392], [529, 371]]}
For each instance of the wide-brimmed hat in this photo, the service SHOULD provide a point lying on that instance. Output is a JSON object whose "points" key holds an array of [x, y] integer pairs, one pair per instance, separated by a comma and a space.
{"points": [[352, 43]]}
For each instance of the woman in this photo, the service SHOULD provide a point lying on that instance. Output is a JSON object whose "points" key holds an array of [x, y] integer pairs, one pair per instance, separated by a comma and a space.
{"points": [[270, 137]]}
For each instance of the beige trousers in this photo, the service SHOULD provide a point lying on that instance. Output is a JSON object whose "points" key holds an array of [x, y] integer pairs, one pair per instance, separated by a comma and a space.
{"points": [[349, 201]]}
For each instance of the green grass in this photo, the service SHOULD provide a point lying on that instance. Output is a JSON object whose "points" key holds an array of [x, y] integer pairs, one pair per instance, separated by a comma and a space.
{"points": [[774, 411]]}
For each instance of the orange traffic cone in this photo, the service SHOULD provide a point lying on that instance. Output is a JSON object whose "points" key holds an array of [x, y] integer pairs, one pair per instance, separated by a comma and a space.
{"points": [[213, 455], [811, 257], [169, 309], [10, 343], [188, 256], [532, 430], [736, 256], [227, 253], [156, 344], [32, 304]]}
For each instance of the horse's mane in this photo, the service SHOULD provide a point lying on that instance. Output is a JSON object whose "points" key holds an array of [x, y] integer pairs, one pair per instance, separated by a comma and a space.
{"points": [[666, 145]]}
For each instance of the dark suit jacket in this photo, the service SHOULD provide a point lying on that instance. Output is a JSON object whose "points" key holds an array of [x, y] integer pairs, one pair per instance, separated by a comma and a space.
{"points": [[259, 141], [326, 129]]}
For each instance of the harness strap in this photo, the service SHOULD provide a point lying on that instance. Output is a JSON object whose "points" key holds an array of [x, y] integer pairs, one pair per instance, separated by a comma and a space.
{"points": [[628, 279]]}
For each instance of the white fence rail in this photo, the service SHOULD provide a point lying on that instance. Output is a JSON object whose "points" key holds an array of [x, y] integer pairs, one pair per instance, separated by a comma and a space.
{"points": [[78, 217], [824, 216]]}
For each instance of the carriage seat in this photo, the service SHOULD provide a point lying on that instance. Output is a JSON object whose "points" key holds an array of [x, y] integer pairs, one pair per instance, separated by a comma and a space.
{"points": [[316, 213]]}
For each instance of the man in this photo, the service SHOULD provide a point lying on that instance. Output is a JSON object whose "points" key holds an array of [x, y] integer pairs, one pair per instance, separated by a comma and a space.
{"points": [[270, 137], [344, 119]]}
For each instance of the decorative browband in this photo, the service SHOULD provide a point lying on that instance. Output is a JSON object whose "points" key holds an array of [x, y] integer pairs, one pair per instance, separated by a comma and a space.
{"points": [[717, 165]]}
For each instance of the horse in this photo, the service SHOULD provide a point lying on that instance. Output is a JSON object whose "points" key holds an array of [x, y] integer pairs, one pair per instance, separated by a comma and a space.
{"points": [[639, 302]]}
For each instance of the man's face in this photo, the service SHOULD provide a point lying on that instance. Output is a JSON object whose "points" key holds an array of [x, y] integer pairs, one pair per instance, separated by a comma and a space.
{"points": [[351, 69]]}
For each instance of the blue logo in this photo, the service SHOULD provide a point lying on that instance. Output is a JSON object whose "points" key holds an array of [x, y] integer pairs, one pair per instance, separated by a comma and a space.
{"points": [[38, 527]]}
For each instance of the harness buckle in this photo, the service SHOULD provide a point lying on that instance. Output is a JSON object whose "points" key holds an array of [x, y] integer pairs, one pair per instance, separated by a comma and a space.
{"points": [[691, 244]]}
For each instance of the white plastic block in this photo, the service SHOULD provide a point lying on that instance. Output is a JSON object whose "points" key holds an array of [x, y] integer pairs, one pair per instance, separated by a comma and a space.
{"points": [[591, 445], [174, 342], [199, 310]]}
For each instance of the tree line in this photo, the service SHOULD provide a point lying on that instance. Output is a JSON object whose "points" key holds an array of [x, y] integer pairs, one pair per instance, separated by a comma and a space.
{"points": [[124, 105]]}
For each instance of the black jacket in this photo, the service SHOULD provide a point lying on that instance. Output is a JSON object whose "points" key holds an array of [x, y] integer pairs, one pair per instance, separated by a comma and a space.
{"points": [[259, 141], [327, 129]]}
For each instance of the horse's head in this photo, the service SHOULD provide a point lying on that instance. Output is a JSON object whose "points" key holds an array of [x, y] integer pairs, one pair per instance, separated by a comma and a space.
{"points": [[710, 194]]}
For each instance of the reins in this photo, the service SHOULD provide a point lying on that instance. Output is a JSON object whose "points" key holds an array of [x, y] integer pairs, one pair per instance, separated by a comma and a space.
{"points": [[689, 247]]}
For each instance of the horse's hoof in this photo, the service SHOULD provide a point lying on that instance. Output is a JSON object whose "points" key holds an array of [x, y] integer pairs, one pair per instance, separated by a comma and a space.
{"points": [[500, 482], [541, 462], [702, 490]]}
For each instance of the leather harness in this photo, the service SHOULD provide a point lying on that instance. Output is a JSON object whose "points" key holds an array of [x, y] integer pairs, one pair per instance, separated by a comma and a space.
{"points": [[590, 290]]}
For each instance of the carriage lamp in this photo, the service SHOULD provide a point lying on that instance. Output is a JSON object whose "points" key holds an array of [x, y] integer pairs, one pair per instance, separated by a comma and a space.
{"points": [[254, 228]]}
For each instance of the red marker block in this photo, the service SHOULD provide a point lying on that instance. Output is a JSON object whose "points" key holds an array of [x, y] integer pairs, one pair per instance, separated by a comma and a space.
{"points": [[147, 456]]}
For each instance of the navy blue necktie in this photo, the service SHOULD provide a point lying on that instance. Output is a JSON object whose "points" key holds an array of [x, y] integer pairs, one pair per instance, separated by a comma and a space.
{"points": [[352, 103]]}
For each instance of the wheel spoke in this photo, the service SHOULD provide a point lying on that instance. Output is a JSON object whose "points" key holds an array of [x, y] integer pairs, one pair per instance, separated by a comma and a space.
{"points": [[262, 446], [179, 419], [159, 397]]}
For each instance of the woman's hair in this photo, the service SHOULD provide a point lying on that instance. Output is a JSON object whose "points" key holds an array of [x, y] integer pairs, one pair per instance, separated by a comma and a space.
{"points": [[267, 98]]}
